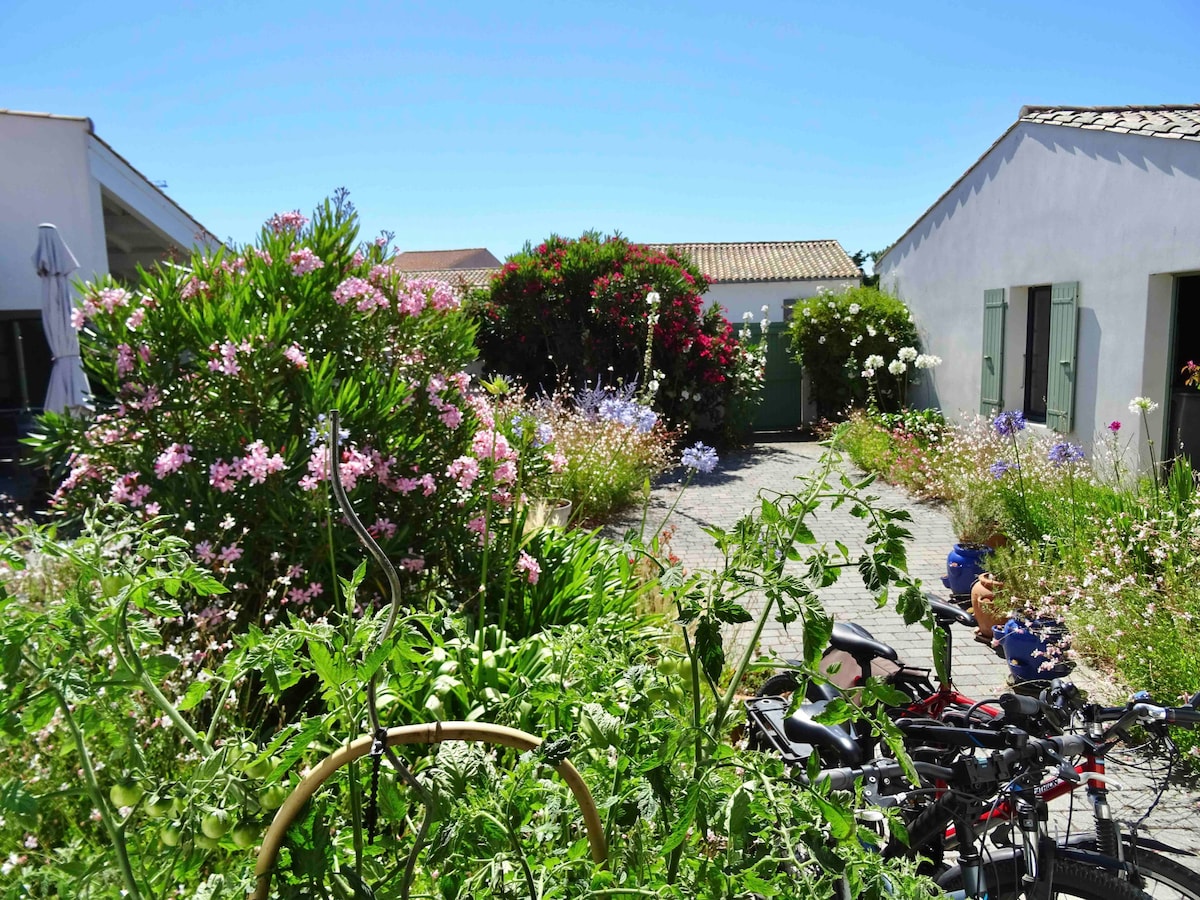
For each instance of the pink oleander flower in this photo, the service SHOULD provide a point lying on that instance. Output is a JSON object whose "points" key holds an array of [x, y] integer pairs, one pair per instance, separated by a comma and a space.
{"points": [[224, 476], [451, 417], [112, 299], [134, 322], [464, 471], [383, 528], [506, 472], [257, 464], [172, 459], [287, 221], [193, 287], [529, 565], [558, 463], [478, 526], [405, 485], [296, 356], [78, 318], [482, 409], [357, 259], [491, 444], [125, 359], [227, 363], [318, 468], [144, 353], [354, 465], [428, 485], [369, 297], [304, 261], [263, 255]]}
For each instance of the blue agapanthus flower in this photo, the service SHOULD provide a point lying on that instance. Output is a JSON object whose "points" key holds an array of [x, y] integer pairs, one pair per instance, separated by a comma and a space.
{"points": [[700, 457], [1065, 452], [1000, 468], [1009, 422]]}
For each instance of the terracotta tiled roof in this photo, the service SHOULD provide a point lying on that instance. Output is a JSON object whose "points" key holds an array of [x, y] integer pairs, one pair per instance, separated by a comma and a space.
{"points": [[769, 260], [457, 278], [435, 260], [1178, 122]]}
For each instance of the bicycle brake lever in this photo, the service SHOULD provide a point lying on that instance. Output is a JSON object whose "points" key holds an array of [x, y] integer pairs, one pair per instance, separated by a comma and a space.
{"points": [[1066, 771]]}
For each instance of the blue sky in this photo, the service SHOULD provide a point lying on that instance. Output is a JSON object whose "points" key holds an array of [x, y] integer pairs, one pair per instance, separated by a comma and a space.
{"points": [[468, 124]]}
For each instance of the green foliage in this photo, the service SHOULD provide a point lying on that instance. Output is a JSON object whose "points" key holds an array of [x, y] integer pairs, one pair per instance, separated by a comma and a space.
{"points": [[579, 313], [685, 813], [221, 373], [905, 448], [836, 336]]}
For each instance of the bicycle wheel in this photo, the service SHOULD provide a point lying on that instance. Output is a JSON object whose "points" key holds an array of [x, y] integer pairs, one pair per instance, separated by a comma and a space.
{"points": [[1071, 879], [1159, 875]]}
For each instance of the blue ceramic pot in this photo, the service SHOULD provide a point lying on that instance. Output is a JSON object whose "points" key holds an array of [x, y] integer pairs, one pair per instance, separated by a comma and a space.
{"points": [[1027, 648], [964, 564]]}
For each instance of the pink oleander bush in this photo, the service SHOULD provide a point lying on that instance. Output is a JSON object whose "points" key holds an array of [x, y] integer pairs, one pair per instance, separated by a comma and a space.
{"points": [[218, 376]]}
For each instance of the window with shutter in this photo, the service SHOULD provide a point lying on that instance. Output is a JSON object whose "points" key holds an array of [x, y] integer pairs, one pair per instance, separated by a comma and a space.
{"points": [[991, 382], [1060, 377]]}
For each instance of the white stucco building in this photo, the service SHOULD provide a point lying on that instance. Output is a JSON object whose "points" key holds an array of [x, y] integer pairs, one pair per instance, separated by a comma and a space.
{"points": [[56, 169], [1060, 275]]}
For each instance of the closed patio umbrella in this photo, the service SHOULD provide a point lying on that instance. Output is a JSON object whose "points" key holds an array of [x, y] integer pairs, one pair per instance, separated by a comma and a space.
{"points": [[68, 389]]}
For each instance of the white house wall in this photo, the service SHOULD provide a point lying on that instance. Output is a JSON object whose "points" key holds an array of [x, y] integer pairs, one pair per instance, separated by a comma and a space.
{"points": [[52, 170], [1117, 213], [737, 298], [44, 178]]}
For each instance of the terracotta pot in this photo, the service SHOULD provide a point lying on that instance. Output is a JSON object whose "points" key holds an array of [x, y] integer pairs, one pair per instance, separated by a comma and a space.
{"points": [[983, 591]]}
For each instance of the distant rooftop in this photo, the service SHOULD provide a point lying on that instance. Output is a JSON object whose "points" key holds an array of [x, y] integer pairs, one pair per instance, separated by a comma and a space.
{"points": [[742, 261], [476, 277], [1178, 122], [440, 260]]}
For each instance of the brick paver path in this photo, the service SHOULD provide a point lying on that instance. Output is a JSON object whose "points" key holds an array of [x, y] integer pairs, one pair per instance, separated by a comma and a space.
{"points": [[725, 495]]}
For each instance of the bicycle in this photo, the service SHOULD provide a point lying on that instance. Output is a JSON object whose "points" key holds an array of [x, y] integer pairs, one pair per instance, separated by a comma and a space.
{"points": [[1013, 765], [798, 735]]}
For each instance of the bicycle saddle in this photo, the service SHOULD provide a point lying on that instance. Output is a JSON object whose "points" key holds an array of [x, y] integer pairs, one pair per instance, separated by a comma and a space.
{"points": [[857, 641], [947, 613]]}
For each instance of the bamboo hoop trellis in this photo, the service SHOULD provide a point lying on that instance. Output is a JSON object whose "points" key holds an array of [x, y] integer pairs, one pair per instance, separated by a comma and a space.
{"points": [[430, 733]]}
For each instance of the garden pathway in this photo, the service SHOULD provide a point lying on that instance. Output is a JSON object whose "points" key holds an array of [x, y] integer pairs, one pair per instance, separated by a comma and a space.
{"points": [[723, 496]]}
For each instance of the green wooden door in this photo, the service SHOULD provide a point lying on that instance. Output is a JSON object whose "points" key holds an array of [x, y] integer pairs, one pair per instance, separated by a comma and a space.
{"points": [[780, 408]]}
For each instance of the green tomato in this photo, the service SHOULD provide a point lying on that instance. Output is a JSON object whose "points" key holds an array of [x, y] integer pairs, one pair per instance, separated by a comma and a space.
{"points": [[126, 792], [246, 835], [273, 797], [161, 805], [170, 834], [260, 768], [204, 842], [216, 824]]}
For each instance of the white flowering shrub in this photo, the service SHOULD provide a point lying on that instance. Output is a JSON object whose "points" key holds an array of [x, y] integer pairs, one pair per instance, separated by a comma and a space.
{"points": [[857, 347]]}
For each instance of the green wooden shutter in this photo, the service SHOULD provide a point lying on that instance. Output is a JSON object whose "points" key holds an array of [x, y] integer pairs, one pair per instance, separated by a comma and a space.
{"points": [[991, 382], [1060, 381]]}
